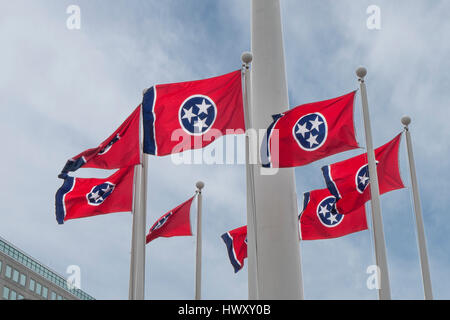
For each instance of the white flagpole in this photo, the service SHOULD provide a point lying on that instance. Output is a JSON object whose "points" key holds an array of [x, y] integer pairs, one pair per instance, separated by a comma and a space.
{"points": [[137, 267], [136, 202], [198, 258], [426, 278], [384, 291], [140, 235], [250, 162], [277, 234]]}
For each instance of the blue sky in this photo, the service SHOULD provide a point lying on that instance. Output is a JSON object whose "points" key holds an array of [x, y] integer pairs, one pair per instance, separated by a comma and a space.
{"points": [[63, 91]]}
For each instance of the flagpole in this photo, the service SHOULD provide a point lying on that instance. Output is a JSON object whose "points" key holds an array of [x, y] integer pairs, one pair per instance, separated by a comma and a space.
{"points": [[426, 278], [140, 235], [198, 258], [136, 202], [384, 291], [137, 285], [250, 162], [277, 234]]}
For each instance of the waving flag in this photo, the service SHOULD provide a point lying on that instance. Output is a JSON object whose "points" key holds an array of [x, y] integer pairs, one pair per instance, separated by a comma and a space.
{"points": [[81, 197], [320, 219], [348, 180], [236, 242], [190, 115], [310, 132], [176, 222], [120, 150]]}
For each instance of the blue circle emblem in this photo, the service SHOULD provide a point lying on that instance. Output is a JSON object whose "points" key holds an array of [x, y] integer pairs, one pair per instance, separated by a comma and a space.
{"points": [[327, 212], [99, 193], [197, 114], [362, 178], [161, 222], [310, 131]]}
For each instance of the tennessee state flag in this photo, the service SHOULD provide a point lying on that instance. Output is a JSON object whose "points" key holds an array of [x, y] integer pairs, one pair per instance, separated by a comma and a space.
{"points": [[120, 150], [310, 132], [82, 197], [320, 219], [176, 222], [236, 242], [190, 115], [348, 180]]}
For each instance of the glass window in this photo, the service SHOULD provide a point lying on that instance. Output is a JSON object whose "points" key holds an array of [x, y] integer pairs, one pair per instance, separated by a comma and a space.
{"points": [[38, 288], [0, 266], [5, 293], [19, 297], [53, 296], [31, 284], [23, 279], [8, 271], [59, 297], [13, 295], [45, 292], [15, 276]]}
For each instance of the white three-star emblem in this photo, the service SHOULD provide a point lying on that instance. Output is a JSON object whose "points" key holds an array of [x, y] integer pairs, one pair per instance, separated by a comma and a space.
{"points": [[203, 108]]}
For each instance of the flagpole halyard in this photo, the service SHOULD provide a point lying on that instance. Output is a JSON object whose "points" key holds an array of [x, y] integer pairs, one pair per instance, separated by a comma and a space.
{"points": [[198, 259], [384, 291], [426, 278]]}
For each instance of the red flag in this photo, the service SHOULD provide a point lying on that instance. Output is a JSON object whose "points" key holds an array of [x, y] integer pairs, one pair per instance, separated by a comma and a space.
{"points": [[176, 222], [310, 132], [320, 219], [81, 197], [349, 179], [120, 150], [190, 115], [236, 242]]}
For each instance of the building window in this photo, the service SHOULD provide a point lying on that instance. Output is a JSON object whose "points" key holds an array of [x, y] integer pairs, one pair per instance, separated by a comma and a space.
{"points": [[15, 276], [31, 287], [23, 279], [53, 296], [45, 292], [5, 293], [19, 297], [8, 271], [0, 266], [59, 297], [38, 288], [13, 295]]}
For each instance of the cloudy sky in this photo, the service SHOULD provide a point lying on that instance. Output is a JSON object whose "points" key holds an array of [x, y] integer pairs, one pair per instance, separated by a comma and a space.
{"points": [[63, 91]]}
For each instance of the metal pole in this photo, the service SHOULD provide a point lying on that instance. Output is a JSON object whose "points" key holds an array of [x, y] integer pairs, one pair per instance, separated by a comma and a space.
{"points": [[279, 268], [426, 278], [140, 235], [198, 258], [137, 292], [384, 292], [250, 163], [136, 203]]}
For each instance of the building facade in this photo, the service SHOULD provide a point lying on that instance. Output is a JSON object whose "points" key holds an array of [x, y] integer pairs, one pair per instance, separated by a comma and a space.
{"points": [[23, 277]]}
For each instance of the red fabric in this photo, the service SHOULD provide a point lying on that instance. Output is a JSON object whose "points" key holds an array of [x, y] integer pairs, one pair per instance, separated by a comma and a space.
{"points": [[122, 153], [338, 125], [77, 205], [226, 93], [236, 242], [176, 222], [315, 219], [344, 175]]}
